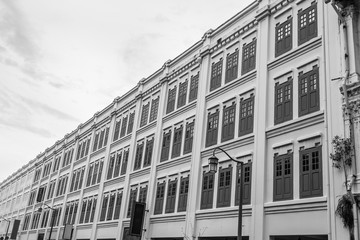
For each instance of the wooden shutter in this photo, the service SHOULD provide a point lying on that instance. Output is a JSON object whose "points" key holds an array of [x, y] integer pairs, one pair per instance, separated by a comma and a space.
{"points": [[138, 156], [307, 24], [228, 126], [100, 171], [182, 94], [109, 215], [212, 128], [159, 201], [144, 114], [189, 133], [131, 123], [111, 167], [177, 142], [154, 109], [183, 194], [303, 94], [103, 208], [148, 152], [216, 72], [224, 187], [117, 164], [117, 130], [132, 199], [207, 191], [310, 172], [165, 146], [124, 163], [171, 197], [118, 205], [283, 177], [313, 83], [193, 87], [123, 126], [171, 100], [231, 66]]}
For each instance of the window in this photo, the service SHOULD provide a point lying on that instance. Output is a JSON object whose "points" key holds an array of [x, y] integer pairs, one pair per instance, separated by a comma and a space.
{"points": [[77, 179], [32, 198], [26, 221], [50, 193], [228, 127], [83, 148], [117, 130], [35, 220], [132, 199], [88, 209], [118, 205], [62, 183], [159, 201], [283, 101], [283, 177], [248, 57], [138, 156], [68, 157], [307, 24], [232, 66], [177, 142], [117, 164], [246, 116], [194, 82], [94, 173], [246, 181], [131, 123], [56, 163], [114, 165], [182, 94], [148, 152], [123, 127], [144, 114], [142, 194], [165, 149], [216, 72], [110, 212], [125, 161], [109, 206], [309, 91], [154, 109], [183, 193], [111, 166], [70, 212], [171, 196], [212, 128], [283, 36], [171, 100], [224, 187], [37, 175], [47, 169], [42, 192], [189, 136], [207, 191], [310, 172], [101, 138], [104, 207], [45, 218]]}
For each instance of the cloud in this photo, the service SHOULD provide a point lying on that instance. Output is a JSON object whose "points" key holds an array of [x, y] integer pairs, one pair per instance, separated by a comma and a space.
{"points": [[24, 125]]}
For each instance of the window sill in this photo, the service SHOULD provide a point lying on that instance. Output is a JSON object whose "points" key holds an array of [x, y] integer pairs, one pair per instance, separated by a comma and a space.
{"points": [[295, 124], [179, 111], [107, 223], [295, 52], [231, 85], [173, 162], [91, 188], [140, 172], [114, 180], [84, 225], [223, 212], [121, 140], [296, 205], [146, 127], [168, 217], [65, 168], [97, 152]]}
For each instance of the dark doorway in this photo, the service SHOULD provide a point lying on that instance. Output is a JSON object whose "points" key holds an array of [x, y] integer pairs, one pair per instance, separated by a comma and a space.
{"points": [[40, 236]]}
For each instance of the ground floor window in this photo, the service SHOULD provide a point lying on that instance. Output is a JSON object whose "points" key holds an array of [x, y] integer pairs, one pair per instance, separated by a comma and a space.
{"points": [[300, 237]]}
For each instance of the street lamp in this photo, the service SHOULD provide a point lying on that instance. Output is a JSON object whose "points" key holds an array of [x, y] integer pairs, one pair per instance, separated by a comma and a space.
{"points": [[53, 217], [213, 165], [7, 229]]}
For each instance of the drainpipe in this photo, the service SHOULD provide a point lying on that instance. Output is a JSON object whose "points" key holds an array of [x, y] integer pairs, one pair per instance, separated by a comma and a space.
{"points": [[351, 125]]}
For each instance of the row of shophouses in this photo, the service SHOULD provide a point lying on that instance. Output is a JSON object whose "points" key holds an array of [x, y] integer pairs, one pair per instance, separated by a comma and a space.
{"points": [[271, 86]]}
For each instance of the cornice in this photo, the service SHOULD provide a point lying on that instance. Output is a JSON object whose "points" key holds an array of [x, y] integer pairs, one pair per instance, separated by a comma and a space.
{"points": [[186, 67], [140, 172], [152, 89], [180, 111]]}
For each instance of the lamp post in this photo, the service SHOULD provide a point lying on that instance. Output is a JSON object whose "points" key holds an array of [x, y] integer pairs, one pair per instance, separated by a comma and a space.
{"points": [[7, 229], [53, 217], [213, 165]]}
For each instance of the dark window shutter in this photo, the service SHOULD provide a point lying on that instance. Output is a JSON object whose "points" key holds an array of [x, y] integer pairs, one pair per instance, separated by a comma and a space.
{"points": [[212, 129], [159, 201], [154, 109], [138, 156], [148, 152], [132, 199], [194, 87], [183, 194], [232, 66], [111, 207], [106, 137], [224, 187], [177, 142], [216, 72], [117, 164], [118, 205], [171, 100], [283, 37], [309, 92], [123, 126], [246, 181], [246, 116], [124, 163], [171, 196], [165, 146], [111, 167], [283, 177], [144, 114], [283, 102], [131, 123], [228, 126], [117, 130], [104, 208], [207, 191], [189, 135], [182, 94], [307, 24]]}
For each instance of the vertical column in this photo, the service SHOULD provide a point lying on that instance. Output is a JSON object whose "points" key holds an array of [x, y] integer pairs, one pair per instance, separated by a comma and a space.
{"points": [[199, 134], [260, 145]]}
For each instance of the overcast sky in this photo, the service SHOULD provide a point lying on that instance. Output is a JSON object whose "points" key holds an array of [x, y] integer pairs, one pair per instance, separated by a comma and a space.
{"points": [[62, 61]]}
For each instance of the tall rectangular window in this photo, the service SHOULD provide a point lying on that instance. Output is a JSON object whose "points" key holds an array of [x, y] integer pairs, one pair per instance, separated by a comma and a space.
{"points": [[216, 72], [117, 164], [159, 201], [248, 57], [283, 177], [118, 205], [246, 183], [144, 114], [183, 193], [111, 166], [110, 211], [228, 127], [104, 207], [132, 199], [154, 109], [123, 126], [232, 66], [165, 148], [309, 91], [224, 187], [311, 172], [194, 82], [182, 94], [138, 156], [171, 100], [142, 194], [212, 129], [117, 130], [307, 24], [246, 116], [283, 101], [207, 193], [171, 197], [177, 142], [148, 152], [189, 136], [283, 37], [131, 122], [94, 173], [125, 161]]}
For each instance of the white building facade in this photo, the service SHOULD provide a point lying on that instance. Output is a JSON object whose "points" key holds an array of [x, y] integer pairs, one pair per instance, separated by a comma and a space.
{"points": [[264, 86]]}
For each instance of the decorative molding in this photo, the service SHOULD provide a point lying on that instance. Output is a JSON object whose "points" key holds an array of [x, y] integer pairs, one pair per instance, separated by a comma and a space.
{"points": [[310, 136], [140, 172], [294, 206], [179, 111], [220, 213], [97, 152], [168, 217], [112, 181], [121, 140], [147, 127], [173, 162], [181, 70], [152, 89]]}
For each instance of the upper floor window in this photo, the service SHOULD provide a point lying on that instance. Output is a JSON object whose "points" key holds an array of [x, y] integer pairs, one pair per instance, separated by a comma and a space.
{"points": [[283, 37], [246, 181], [171, 196], [125, 161], [232, 66], [309, 91], [310, 172], [77, 179], [154, 109], [37, 174], [194, 82], [68, 157], [123, 126], [159, 200], [56, 163], [144, 114], [246, 116], [307, 24], [111, 204], [177, 142], [83, 148], [47, 169], [189, 136], [228, 126], [248, 57], [131, 122], [283, 177], [183, 193], [70, 212], [132, 199], [171, 100], [62, 184], [94, 173], [216, 72], [182, 94], [148, 152], [283, 101], [88, 209], [165, 149], [138, 156], [101, 137], [117, 130], [114, 165], [224, 187], [212, 128]]}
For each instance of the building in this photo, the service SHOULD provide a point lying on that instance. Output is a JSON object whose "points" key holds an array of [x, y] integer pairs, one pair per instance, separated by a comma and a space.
{"points": [[263, 86]]}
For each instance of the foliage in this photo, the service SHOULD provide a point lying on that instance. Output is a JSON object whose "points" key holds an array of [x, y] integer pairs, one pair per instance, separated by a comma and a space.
{"points": [[345, 211], [342, 156], [347, 3]]}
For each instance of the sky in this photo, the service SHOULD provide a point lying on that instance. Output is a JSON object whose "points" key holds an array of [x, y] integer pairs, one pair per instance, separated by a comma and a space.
{"points": [[62, 61]]}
